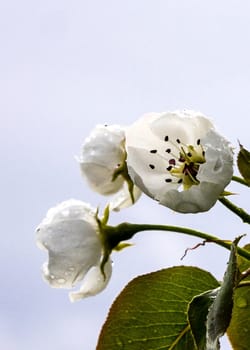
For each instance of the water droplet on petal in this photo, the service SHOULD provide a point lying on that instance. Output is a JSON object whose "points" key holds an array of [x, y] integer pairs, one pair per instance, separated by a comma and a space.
{"points": [[61, 280], [65, 212], [241, 302]]}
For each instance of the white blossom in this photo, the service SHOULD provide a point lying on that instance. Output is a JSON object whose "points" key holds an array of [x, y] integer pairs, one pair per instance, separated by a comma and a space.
{"points": [[70, 234], [102, 164], [179, 159]]}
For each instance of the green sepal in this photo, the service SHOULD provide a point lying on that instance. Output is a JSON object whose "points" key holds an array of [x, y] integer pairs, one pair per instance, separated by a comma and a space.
{"points": [[122, 246], [227, 193], [243, 162]]}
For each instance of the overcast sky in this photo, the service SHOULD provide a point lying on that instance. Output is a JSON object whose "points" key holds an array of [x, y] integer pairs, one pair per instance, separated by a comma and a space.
{"points": [[66, 66]]}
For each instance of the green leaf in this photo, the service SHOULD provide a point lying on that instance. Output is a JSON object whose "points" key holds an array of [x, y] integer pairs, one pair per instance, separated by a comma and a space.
{"points": [[151, 312], [197, 316], [243, 162], [239, 328], [220, 312]]}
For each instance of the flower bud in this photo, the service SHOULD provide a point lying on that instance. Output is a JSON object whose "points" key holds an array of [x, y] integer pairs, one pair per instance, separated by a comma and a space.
{"points": [[70, 234]]}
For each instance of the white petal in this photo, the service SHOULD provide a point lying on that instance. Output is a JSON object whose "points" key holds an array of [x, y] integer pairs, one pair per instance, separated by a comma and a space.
{"points": [[198, 198], [93, 283], [101, 154], [71, 209], [150, 181], [123, 198], [185, 125], [99, 178], [219, 159], [69, 234]]}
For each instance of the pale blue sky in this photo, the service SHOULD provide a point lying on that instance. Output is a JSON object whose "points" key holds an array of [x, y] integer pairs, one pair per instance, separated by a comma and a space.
{"points": [[66, 66]]}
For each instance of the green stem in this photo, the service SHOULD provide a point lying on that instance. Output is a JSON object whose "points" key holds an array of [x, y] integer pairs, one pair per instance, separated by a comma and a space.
{"points": [[125, 231], [240, 180], [236, 210]]}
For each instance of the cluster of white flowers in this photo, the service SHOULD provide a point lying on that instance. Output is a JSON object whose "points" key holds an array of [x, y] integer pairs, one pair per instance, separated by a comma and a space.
{"points": [[177, 158]]}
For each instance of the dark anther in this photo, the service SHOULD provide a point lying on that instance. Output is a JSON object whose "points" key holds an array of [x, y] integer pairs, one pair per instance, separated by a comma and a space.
{"points": [[166, 138], [153, 150], [151, 166], [198, 142], [168, 150], [180, 181], [169, 167], [168, 180], [189, 154], [178, 141], [203, 153], [172, 161]]}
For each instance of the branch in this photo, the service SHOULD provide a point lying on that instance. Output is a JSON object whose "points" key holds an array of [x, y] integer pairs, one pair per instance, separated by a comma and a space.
{"points": [[236, 210], [124, 231]]}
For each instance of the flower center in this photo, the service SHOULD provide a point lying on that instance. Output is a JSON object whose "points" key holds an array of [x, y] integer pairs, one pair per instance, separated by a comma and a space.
{"points": [[183, 162]]}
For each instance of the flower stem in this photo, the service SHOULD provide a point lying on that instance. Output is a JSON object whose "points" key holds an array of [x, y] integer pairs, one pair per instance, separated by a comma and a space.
{"points": [[240, 180], [125, 231], [236, 210]]}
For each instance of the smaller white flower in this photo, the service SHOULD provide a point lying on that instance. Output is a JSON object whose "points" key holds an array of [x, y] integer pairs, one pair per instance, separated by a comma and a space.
{"points": [[70, 234], [102, 164], [179, 159]]}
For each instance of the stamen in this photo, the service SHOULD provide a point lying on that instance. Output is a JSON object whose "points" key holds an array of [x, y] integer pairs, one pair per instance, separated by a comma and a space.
{"points": [[151, 166], [168, 150], [169, 167], [198, 142], [178, 141], [168, 180], [172, 161], [166, 138], [153, 151]]}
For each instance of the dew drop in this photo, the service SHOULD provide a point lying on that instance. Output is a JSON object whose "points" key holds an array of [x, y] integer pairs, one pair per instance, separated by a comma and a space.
{"points": [[241, 302], [61, 280], [65, 212]]}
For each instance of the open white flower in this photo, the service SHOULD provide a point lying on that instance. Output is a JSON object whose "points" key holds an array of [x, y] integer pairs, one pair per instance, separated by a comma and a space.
{"points": [[179, 159], [102, 164], [69, 233]]}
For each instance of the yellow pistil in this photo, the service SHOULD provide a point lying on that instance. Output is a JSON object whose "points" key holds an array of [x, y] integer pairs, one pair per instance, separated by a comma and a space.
{"points": [[189, 163]]}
